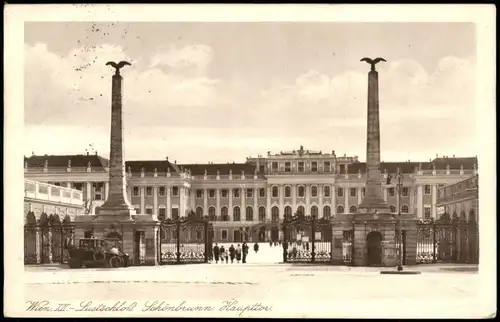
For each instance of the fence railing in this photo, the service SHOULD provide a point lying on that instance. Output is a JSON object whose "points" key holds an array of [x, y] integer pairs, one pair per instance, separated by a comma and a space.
{"points": [[447, 240]]}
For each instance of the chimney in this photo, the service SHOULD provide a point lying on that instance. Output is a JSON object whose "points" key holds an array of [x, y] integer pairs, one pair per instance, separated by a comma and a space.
{"points": [[32, 153], [453, 156], [87, 152], [167, 158]]}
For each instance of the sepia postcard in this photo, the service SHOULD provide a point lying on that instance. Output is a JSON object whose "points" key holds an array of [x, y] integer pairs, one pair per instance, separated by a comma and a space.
{"points": [[269, 161]]}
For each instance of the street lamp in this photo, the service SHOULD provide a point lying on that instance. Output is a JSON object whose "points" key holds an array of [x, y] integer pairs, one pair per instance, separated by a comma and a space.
{"points": [[399, 177]]}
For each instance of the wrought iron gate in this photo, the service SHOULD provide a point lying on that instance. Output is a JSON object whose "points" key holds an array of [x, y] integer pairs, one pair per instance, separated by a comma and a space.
{"points": [[187, 240], [447, 240], [306, 239]]}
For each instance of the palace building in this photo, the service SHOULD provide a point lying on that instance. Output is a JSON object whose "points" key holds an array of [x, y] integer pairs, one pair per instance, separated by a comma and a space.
{"points": [[247, 201], [460, 199], [42, 198]]}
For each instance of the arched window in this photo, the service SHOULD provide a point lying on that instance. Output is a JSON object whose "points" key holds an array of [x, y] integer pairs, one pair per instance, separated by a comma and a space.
{"points": [[326, 190], [301, 191], [275, 213], [288, 192], [404, 209], [327, 212], [262, 213], [275, 192], [340, 209], [314, 191], [236, 214], [211, 214], [288, 211], [353, 209], [393, 208], [314, 211], [224, 214], [199, 211], [300, 210], [249, 214]]}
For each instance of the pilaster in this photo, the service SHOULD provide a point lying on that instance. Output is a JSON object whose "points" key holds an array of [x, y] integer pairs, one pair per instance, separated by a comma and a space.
{"points": [[230, 210], [217, 202], [334, 199], [420, 201], [434, 197], [308, 198], [255, 204], [169, 202], [155, 200], [142, 200], [205, 202], [282, 199], [347, 193], [243, 213], [268, 204]]}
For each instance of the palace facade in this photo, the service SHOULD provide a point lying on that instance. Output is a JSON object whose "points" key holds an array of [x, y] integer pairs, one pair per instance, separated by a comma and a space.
{"points": [[248, 200]]}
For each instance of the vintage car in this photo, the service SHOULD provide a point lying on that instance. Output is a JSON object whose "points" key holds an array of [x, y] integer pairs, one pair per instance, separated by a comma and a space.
{"points": [[98, 252]]}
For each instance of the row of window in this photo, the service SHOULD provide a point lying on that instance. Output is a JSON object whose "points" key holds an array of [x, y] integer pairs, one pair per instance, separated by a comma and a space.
{"points": [[261, 212], [98, 190], [301, 166], [162, 191], [301, 192]]}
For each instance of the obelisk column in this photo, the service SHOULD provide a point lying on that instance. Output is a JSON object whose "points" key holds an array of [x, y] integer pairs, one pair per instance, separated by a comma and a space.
{"points": [[373, 200], [117, 203]]}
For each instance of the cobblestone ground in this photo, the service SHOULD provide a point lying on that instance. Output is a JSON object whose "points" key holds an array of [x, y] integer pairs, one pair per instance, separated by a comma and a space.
{"points": [[320, 291]]}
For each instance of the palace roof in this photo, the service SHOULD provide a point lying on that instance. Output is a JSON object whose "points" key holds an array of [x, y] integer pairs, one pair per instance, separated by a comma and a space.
{"points": [[409, 167], [62, 161], [99, 163]]}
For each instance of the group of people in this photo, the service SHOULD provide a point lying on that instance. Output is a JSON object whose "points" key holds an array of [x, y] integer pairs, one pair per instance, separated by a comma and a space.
{"points": [[299, 243], [239, 253]]}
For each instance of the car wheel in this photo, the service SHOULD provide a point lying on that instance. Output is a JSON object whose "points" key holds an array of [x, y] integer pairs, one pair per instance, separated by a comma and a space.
{"points": [[115, 262], [74, 263]]}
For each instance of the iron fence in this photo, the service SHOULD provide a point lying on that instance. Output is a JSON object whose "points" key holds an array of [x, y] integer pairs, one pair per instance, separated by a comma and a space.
{"points": [[47, 240], [447, 240], [186, 240], [306, 239]]}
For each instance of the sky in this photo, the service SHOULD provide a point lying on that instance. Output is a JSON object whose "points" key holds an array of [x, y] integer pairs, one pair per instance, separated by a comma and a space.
{"points": [[223, 91]]}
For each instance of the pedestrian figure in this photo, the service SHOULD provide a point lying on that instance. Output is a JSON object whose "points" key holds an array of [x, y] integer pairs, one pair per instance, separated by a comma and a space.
{"points": [[245, 252], [285, 252], [256, 248], [232, 253], [294, 251], [222, 254], [238, 253], [307, 246], [270, 244], [216, 253]]}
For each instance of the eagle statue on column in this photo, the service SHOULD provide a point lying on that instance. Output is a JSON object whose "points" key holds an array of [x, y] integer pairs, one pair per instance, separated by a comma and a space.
{"points": [[373, 62], [118, 66]]}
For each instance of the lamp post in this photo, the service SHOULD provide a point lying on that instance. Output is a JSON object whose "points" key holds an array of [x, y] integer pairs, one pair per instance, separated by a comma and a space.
{"points": [[399, 177]]}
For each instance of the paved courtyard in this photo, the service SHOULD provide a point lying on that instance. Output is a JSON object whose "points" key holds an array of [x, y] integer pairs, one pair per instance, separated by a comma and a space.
{"points": [[258, 290]]}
